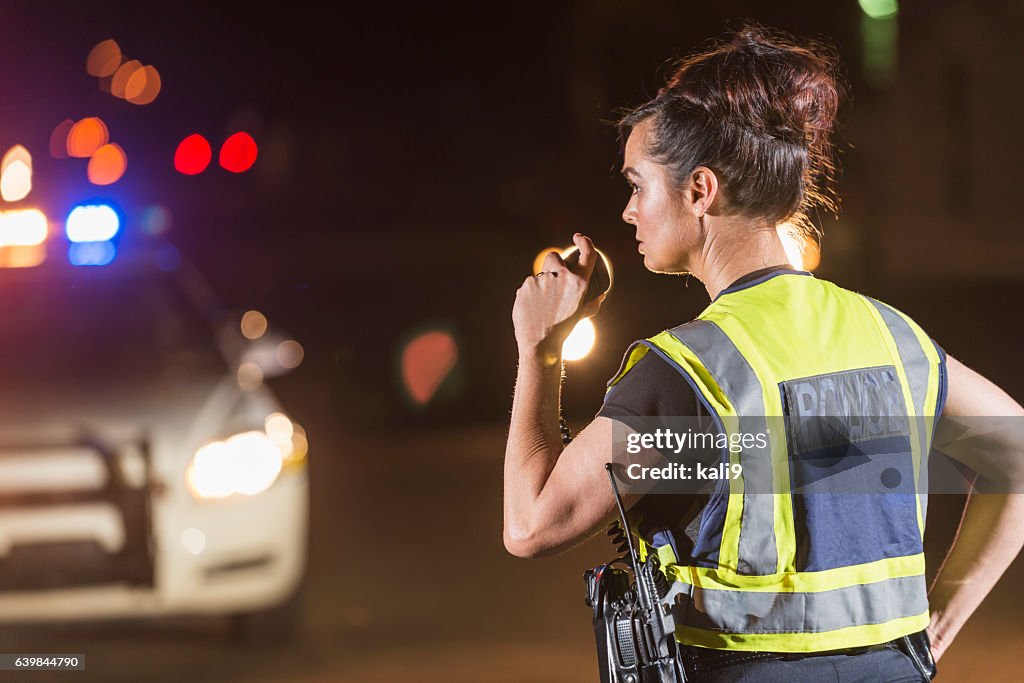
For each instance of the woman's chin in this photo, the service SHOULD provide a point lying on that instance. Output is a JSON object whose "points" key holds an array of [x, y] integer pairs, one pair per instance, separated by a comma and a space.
{"points": [[656, 266], [653, 264]]}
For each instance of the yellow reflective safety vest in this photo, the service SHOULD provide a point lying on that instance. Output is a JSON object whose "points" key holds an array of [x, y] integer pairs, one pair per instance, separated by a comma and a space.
{"points": [[788, 572]]}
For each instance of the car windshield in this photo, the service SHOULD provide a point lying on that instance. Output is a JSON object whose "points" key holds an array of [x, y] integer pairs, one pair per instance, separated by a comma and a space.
{"points": [[88, 328]]}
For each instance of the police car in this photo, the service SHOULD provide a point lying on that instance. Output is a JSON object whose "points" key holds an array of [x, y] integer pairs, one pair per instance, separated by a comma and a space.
{"points": [[145, 467]]}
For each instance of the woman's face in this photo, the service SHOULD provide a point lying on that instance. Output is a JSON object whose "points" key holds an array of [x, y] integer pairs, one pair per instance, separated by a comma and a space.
{"points": [[666, 226]]}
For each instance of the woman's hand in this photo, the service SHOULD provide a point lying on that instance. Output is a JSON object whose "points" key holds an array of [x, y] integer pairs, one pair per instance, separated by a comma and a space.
{"points": [[938, 646], [548, 304]]}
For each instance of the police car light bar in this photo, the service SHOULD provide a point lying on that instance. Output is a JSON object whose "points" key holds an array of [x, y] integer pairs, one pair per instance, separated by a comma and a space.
{"points": [[92, 223]]}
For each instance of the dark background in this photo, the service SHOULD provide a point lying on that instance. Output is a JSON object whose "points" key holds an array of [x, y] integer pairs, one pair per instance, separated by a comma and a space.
{"points": [[413, 160]]}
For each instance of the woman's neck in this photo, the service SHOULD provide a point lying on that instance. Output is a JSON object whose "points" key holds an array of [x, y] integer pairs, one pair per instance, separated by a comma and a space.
{"points": [[733, 248]]}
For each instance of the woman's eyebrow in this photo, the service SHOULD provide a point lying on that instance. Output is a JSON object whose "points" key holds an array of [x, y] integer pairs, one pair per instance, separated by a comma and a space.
{"points": [[630, 171]]}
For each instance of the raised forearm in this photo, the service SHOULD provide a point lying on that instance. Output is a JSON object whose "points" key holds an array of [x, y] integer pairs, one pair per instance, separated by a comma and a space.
{"points": [[990, 537], [534, 442], [547, 307]]}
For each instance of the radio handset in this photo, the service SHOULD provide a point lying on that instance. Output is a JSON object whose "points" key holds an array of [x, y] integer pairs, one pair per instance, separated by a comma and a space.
{"points": [[600, 280]]}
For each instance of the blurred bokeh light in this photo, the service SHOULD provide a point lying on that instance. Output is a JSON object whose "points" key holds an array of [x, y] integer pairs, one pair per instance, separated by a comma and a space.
{"points": [[119, 83], [279, 428], [143, 86], [193, 155], [250, 375], [791, 244], [23, 228], [300, 445], [802, 251], [254, 325], [238, 153], [22, 257], [812, 254], [23, 237], [92, 223], [209, 473], [290, 354], [156, 220], [879, 9], [16, 174], [59, 139], [104, 59], [16, 153], [91, 253], [580, 341], [107, 164], [879, 29], [261, 458], [244, 464], [427, 360], [87, 136]]}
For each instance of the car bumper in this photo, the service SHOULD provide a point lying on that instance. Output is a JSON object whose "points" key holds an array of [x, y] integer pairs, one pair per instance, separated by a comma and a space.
{"points": [[206, 557]]}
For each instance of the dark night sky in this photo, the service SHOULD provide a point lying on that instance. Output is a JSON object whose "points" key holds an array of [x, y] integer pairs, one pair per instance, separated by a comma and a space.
{"points": [[389, 115]]}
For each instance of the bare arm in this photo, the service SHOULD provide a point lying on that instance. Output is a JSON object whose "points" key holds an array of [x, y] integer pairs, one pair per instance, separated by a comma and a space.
{"points": [[555, 497], [992, 529]]}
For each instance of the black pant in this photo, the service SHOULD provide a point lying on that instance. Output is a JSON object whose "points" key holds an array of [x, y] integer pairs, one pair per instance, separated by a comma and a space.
{"points": [[876, 666]]}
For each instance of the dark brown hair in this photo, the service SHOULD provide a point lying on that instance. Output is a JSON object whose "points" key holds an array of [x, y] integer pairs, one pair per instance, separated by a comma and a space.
{"points": [[758, 109]]}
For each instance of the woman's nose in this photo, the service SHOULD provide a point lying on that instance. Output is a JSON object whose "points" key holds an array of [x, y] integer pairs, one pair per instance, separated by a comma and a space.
{"points": [[629, 213]]}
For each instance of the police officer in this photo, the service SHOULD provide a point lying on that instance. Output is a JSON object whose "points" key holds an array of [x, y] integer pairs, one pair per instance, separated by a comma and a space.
{"points": [[782, 586]]}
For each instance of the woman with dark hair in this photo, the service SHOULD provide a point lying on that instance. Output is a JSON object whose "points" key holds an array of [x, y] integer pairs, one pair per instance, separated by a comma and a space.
{"points": [[777, 585]]}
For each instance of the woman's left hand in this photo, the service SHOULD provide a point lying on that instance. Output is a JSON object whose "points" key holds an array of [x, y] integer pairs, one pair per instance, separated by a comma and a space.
{"points": [[549, 304]]}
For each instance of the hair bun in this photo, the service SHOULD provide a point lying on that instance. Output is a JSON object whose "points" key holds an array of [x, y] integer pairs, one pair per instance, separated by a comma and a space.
{"points": [[759, 107], [792, 86], [751, 37]]}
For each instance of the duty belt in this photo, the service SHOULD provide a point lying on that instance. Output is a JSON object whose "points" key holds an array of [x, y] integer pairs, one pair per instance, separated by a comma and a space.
{"points": [[698, 661]]}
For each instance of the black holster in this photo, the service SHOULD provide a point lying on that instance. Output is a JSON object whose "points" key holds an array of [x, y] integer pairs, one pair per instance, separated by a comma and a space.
{"points": [[918, 647], [634, 644]]}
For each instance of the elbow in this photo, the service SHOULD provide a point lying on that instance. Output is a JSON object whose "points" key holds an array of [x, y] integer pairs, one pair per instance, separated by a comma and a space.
{"points": [[520, 542], [524, 541], [521, 550]]}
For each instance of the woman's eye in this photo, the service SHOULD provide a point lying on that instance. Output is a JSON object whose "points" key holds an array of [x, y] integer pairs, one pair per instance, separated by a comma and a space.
{"points": [[634, 188]]}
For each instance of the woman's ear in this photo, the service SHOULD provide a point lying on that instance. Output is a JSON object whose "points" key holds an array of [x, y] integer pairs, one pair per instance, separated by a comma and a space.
{"points": [[703, 190]]}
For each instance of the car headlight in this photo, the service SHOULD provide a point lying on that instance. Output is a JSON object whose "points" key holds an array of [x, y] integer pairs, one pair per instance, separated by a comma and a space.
{"points": [[247, 463]]}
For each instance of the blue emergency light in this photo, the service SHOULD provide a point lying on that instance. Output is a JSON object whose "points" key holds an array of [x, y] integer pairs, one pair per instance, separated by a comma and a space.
{"points": [[91, 253], [92, 223]]}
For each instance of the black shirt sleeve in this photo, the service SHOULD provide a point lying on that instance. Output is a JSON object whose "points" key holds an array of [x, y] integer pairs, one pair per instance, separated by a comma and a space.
{"points": [[651, 388]]}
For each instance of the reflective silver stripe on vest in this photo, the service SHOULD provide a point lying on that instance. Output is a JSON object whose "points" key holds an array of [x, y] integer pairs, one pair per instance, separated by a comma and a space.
{"points": [[758, 553], [916, 366], [757, 612], [915, 363]]}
